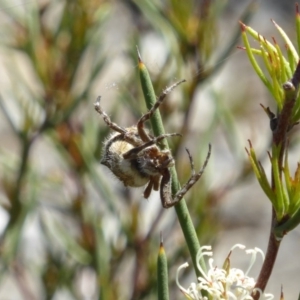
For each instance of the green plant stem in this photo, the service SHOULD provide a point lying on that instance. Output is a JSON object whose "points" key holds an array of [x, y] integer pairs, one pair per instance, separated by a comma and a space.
{"points": [[279, 142], [16, 205], [181, 208], [162, 274]]}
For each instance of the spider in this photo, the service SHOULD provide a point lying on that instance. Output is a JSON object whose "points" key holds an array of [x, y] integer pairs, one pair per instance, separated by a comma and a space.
{"points": [[134, 157]]}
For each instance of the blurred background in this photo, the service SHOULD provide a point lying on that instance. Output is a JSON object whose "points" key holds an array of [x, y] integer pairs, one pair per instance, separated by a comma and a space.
{"points": [[69, 229]]}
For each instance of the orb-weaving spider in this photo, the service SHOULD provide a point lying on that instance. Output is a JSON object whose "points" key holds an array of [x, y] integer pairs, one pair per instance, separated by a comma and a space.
{"points": [[134, 157]]}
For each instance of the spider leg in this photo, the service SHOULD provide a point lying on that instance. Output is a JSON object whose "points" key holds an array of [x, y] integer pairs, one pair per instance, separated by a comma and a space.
{"points": [[106, 118], [140, 124], [156, 183], [165, 190], [148, 189], [153, 184], [132, 153]]}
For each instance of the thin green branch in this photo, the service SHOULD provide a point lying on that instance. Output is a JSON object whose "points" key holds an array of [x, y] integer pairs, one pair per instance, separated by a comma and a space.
{"points": [[181, 208], [162, 274]]}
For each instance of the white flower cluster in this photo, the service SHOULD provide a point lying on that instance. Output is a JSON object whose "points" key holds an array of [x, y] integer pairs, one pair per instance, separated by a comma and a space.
{"points": [[225, 283]]}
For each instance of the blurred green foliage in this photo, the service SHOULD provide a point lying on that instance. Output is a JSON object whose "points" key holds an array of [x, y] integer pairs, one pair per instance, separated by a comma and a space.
{"points": [[72, 231]]}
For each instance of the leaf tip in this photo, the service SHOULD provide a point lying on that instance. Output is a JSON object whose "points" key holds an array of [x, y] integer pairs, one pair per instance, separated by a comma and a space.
{"points": [[243, 26], [139, 56]]}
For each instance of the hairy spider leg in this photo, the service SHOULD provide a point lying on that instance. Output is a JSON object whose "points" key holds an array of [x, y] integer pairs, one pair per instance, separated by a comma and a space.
{"points": [[148, 189], [132, 153], [140, 124], [153, 184], [165, 190], [107, 119], [192, 161], [155, 180], [128, 135]]}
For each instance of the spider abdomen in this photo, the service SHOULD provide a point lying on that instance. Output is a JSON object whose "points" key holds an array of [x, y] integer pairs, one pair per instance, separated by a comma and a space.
{"points": [[126, 170]]}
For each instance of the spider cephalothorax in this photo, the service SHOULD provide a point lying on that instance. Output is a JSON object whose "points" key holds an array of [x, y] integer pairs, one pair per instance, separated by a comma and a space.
{"points": [[134, 157]]}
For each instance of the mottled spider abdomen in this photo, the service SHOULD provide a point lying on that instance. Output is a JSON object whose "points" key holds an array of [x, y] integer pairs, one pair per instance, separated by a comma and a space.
{"points": [[124, 169]]}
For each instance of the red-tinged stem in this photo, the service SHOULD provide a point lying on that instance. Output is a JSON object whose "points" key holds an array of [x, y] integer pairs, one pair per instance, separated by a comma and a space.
{"points": [[269, 261]]}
